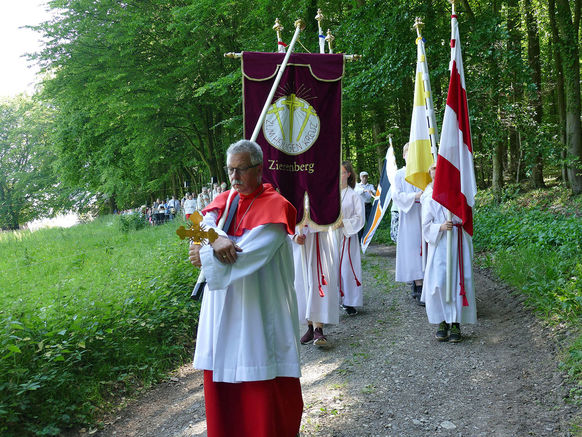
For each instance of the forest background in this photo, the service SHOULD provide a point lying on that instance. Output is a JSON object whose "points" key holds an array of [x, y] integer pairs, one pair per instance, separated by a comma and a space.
{"points": [[138, 100]]}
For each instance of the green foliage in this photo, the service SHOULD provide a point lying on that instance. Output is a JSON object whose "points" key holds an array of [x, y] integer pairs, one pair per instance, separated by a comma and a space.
{"points": [[145, 99], [89, 314], [28, 182], [533, 241], [131, 222], [543, 230]]}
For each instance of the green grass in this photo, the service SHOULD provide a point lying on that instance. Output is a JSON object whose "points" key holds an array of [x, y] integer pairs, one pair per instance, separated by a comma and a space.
{"points": [[533, 241], [88, 314]]}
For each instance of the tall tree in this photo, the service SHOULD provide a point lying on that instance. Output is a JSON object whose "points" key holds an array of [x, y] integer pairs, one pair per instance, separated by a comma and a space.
{"points": [[28, 185], [568, 23], [533, 56], [515, 68], [559, 86]]}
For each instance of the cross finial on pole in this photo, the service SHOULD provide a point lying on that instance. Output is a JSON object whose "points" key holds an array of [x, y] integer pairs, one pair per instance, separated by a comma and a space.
{"points": [[418, 25], [319, 16], [329, 38], [300, 24], [277, 27]]}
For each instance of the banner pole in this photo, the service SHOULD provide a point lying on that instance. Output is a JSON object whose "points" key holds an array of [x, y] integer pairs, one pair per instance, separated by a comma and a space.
{"points": [[449, 295], [278, 28], [320, 36], [432, 126], [299, 26], [449, 291]]}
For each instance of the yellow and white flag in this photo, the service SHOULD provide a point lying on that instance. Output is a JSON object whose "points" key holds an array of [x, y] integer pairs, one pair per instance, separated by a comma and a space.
{"points": [[423, 132]]}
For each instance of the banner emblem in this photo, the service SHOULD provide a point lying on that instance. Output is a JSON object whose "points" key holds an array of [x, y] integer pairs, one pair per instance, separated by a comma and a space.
{"points": [[291, 125]]}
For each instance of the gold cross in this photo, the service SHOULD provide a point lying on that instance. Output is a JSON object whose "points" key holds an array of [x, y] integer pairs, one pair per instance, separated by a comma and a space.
{"points": [[276, 111], [292, 103], [309, 111], [196, 232]]}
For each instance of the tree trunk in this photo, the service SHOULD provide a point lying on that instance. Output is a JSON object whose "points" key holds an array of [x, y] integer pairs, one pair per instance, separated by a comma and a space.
{"points": [[560, 97], [376, 136], [533, 57], [497, 177], [514, 51], [499, 149], [358, 140], [569, 47]]}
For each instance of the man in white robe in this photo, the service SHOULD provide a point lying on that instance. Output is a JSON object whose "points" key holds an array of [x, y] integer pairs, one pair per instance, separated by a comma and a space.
{"points": [[409, 242], [248, 332], [366, 192], [461, 309]]}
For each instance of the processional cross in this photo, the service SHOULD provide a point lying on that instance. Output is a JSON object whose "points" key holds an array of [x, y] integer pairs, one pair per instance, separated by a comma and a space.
{"points": [[196, 232]]}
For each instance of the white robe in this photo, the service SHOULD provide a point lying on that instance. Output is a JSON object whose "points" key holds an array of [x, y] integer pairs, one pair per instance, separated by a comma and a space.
{"points": [[353, 217], [311, 305], [248, 328], [435, 277], [408, 245]]}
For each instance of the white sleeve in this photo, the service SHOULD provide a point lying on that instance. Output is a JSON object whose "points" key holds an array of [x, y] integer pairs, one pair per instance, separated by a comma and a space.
{"points": [[403, 200], [431, 230], [258, 247], [357, 220]]}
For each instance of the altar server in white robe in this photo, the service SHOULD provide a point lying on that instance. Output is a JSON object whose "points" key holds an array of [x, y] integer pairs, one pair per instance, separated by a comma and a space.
{"points": [[461, 309], [316, 282], [347, 241], [409, 242], [248, 332]]}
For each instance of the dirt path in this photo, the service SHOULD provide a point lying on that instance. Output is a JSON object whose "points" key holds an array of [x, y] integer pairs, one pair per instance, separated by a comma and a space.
{"points": [[386, 375]]}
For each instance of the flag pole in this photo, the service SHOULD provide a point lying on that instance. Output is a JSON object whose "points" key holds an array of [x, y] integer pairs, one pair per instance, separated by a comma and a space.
{"points": [[449, 291], [299, 26], [329, 38], [321, 37], [432, 125], [278, 28]]}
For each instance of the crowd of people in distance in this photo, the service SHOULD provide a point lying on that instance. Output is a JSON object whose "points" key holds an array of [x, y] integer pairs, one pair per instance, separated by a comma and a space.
{"points": [[162, 211]]}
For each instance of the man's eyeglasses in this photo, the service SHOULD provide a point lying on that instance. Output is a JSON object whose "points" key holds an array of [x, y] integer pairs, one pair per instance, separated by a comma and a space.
{"points": [[240, 170]]}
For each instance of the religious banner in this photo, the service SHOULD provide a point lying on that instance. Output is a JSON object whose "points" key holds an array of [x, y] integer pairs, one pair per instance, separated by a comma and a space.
{"points": [[420, 156], [301, 134]]}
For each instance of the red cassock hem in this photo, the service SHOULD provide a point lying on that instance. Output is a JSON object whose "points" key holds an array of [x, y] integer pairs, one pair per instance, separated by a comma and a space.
{"points": [[270, 408]]}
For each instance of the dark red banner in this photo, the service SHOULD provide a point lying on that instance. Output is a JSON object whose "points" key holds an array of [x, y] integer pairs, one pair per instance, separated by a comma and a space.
{"points": [[301, 135]]}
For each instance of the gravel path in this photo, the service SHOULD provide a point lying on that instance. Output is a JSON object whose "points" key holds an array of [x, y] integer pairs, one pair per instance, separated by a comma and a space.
{"points": [[384, 374]]}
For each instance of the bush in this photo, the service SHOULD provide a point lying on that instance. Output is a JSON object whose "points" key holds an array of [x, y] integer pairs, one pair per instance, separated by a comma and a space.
{"points": [[537, 251], [131, 222]]}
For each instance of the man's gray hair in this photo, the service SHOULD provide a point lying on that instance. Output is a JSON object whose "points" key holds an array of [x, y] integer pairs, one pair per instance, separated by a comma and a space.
{"points": [[246, 146]]}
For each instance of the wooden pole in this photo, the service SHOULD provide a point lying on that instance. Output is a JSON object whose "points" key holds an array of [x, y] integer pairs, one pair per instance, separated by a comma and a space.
{"points": [[449, 291], [299, 25]]}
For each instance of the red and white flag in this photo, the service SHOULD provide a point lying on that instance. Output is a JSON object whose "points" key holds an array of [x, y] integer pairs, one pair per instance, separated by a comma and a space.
{"points": [[454, 185]]}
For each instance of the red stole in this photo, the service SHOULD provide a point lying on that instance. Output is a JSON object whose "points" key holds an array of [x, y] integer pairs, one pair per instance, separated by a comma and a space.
{"points": [[267, 206]]}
